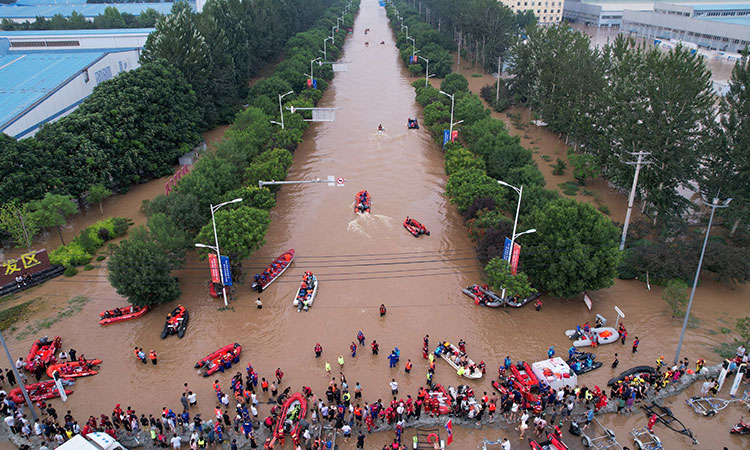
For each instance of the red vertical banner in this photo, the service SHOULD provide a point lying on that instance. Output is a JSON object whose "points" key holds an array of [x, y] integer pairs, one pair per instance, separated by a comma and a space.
{"points": [[449, 430], [213, 263], [514, 258], [454, 136]]}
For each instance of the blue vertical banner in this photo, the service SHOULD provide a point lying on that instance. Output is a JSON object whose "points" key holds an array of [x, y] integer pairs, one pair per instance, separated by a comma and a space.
{"points": [[446, 137], [226, 272], [506, 250], [315, 84]]}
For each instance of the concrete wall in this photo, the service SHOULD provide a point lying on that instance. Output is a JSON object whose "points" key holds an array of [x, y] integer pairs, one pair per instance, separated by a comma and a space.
{"points": [[66, 97]]}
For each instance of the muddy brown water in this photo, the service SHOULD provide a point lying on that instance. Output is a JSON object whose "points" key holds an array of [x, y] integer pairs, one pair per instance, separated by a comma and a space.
{"points": [[363, 261]]}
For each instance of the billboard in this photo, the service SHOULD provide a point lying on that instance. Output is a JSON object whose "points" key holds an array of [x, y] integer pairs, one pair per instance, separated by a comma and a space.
{"points": [[26, 264]]}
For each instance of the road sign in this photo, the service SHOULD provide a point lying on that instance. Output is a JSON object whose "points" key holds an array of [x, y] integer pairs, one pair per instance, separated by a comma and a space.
{"points": [[587, 300], [339, 181]]}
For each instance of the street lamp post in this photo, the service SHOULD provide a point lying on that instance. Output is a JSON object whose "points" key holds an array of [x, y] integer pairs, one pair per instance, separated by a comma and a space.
{"points": [[453, 103], [427, 74], [519, 191], [281, 110], [713, 205], [325, 54], [333, 34], [311, 74], [413, 46], [407, 30], [216, 248]]}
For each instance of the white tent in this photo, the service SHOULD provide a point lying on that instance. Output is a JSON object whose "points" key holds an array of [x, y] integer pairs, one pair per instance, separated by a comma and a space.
{"points": [[555, 372]]}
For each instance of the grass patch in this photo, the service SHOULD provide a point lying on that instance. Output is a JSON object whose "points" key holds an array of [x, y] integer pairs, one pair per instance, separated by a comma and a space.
{"points": [[476, 75], [712, 332], [725, 350], [587, 192], [546, 157], [88, 267], [70, 271], [74, 305], [725, 330], [693, 322], [569, 188], [101, 258], [11, 315], [604, 209]]}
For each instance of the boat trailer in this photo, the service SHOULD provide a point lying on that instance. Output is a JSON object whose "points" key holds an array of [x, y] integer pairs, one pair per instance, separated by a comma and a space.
{"points": [[664, 415]]}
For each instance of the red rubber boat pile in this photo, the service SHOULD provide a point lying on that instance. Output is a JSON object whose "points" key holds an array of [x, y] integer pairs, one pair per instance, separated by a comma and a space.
{"points": [[221, 359], [122, 314]]}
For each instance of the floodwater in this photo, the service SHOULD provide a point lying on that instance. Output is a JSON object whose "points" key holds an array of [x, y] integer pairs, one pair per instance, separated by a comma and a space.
{"points": [[361, 262]]}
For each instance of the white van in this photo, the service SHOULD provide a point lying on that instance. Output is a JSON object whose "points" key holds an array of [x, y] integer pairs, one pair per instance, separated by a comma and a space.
{"points": [[92, 441]]}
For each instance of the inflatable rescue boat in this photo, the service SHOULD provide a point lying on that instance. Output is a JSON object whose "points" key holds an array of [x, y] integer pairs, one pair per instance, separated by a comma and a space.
{"points": [[37, 392], [273, 271], [483, 296], [176, 323], [42, 353], [220, 360], [292, 411], [362, 202], [122, 314], [74, 369], [452, 355], [605, 335], [308, 288], [415, 228]]}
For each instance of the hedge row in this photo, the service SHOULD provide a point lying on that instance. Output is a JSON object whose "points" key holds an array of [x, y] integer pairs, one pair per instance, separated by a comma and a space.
{"points": [[82, 248]]}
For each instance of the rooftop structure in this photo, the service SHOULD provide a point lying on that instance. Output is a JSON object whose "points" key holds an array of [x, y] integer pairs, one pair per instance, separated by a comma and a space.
{"points": [[45, 75], [29, 10]]}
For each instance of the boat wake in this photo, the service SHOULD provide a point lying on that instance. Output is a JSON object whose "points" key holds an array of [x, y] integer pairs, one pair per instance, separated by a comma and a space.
{"points": [[366, 220]]}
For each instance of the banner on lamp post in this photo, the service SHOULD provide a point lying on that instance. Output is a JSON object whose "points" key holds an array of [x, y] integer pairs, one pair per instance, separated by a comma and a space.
{"points": [[454, 136], [226, 271], [446, 137], [514, 259], [213, 264], [506, 250]]}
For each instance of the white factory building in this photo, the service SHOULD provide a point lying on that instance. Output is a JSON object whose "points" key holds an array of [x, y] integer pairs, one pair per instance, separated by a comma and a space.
{"points": [[45, 75]]}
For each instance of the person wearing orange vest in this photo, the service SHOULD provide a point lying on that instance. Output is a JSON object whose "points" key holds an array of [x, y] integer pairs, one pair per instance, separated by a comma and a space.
{"points": [[492, 408], [407, 367], [264, 385], [152, 357], [382, 310]]}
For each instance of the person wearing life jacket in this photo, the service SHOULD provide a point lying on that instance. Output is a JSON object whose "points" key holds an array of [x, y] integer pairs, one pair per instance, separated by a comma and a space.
{"points": [[318, 350], [152, 356], [382, 310], [380, 127], [407, 366]]}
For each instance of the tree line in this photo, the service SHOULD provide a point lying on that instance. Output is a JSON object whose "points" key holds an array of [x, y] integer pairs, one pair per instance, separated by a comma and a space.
{"points": [[628, 96], [253, 149], [133, 128], [109, 19], [575, 246]]}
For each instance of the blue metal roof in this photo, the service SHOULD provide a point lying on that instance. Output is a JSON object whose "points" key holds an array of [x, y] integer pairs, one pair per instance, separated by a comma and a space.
{"points": [[26, 77], [9, 34], [744, 20], [717, 6], [16, 11]]}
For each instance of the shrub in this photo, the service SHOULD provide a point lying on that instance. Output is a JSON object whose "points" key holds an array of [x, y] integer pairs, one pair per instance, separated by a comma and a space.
{"points": [[88, 267], [70, 271], [559, 168], [101, 258], [103, 234], [69, 255]]}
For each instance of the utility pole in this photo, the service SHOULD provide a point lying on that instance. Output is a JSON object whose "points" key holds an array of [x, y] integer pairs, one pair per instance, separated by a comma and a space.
{"points": [[19, 379], [459, 52], [497, 93], [638, 164]]}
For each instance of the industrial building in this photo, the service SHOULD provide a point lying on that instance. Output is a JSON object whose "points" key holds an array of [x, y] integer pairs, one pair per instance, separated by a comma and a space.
{"points": [[546, 11], [29, 10], [45, 75], [723, 28]]}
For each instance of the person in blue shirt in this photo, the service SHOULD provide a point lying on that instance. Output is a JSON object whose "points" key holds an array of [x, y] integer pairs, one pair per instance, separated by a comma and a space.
{"points": [[507, 362], [551, 352]]}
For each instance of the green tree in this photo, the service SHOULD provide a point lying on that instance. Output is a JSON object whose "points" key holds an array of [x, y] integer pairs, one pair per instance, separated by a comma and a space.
{"points": [[676, 296], [453, 83], [53, 211], [16, 220], [241, 231], [458, 158], [465, 186], [139, 269], [172, 239], [728, 160], [111, 18], [270, 165], [584, 166], [499, 277], [574, 249], [97, 194]]}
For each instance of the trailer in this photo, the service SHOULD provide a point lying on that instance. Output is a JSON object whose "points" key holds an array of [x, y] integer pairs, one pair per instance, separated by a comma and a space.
{"points": [[600, 438], [646, 440], [664, 415]]}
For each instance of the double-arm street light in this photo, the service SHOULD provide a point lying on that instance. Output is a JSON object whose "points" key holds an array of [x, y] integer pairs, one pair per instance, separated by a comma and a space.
{"points": [[325, 54], [427, 73], [519, 191], [453, 103], [281, 110], [216, 248]]}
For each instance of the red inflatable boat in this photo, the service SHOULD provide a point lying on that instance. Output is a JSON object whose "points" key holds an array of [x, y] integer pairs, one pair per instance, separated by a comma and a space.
{"points": [[552, 443], [292, 411], [74, 369], [273, 271], [122, 314], [37, 392], [362, 202], [42, 353], [523, 374], [218, 360], [438, 401], [414, 227]]}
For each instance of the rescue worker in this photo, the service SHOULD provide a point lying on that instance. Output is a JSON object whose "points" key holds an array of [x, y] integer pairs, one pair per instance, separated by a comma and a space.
{"points": [[152, 357], [382, 310]]}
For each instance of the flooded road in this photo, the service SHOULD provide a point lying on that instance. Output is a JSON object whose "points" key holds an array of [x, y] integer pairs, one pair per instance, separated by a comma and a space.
{"points": [[361, 262]]}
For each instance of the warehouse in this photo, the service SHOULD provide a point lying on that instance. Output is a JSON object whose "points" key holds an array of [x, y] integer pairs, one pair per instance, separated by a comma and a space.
{"points": [[45, 75]]}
